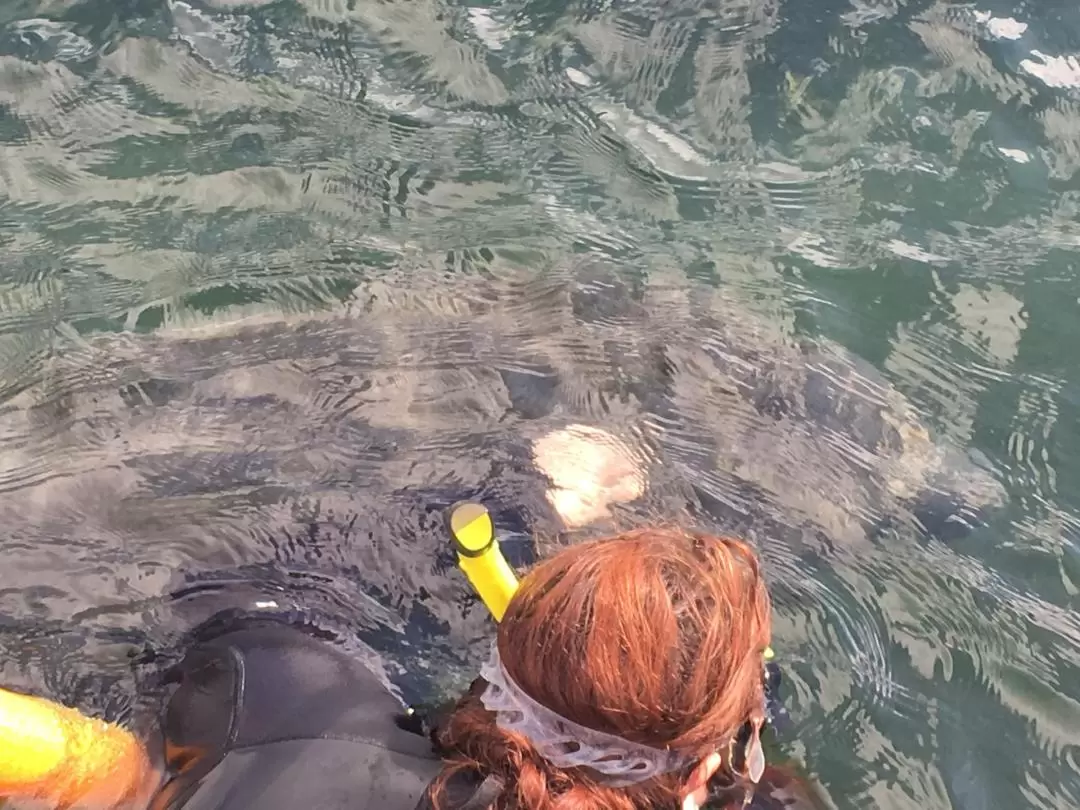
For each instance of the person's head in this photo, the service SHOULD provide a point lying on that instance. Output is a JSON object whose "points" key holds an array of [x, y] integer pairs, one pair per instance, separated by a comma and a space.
{"points": [[654, 637]]}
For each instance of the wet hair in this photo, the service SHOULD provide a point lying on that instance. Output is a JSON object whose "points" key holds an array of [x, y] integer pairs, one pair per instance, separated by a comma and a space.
{"points": [[655, 635]]}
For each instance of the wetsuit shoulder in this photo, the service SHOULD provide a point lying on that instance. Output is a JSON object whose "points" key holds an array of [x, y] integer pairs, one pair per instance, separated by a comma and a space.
{"points": [[269, 716]]}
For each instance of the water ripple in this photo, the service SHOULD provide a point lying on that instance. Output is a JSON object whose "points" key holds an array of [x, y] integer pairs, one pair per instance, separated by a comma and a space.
{"points": [[280, 280]]}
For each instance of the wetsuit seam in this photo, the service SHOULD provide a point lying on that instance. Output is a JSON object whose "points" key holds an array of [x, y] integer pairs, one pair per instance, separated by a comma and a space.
{"points": [[332, 738], [239, 687]]}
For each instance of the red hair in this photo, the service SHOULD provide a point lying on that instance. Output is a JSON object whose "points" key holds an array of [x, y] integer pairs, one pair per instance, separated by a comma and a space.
{"points": [[655, 635]]}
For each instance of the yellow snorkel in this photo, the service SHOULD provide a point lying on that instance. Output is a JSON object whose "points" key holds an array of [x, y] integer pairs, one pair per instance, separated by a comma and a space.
{"points": [[480, 557]]}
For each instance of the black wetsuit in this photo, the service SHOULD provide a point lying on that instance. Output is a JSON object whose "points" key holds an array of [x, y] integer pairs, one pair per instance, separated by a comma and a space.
{"points": [[267, 717]]}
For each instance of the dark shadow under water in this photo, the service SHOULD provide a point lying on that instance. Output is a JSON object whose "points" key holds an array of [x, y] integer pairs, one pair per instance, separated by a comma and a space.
{"points": [[303, 464]]}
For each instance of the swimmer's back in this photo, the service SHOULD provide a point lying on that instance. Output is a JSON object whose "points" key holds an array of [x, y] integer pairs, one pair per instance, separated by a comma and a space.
{"points": [[268, 717]]}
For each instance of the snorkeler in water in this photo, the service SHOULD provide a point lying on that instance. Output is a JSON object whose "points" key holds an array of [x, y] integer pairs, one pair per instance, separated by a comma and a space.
{"points": [[628, 672]]}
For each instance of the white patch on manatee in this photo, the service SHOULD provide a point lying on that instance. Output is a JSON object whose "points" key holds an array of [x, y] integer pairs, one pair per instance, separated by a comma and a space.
{"points": [[1053, 71], [590, 470], [1017, 155]]}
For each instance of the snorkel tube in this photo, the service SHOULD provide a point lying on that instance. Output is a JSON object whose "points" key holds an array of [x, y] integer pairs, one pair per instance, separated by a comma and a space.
{"points": [[472, 532], [479, 556]]}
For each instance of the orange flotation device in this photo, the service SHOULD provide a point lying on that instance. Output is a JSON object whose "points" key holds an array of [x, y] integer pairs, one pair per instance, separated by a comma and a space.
{"points": [[54, 753]]}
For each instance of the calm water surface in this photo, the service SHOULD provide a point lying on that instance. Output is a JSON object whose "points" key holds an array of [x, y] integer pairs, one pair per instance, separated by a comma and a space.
{"points": [[279, 279]]}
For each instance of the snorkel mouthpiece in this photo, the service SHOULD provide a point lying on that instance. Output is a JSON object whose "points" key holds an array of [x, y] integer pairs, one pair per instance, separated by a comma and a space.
{"points": [[479, 556]]}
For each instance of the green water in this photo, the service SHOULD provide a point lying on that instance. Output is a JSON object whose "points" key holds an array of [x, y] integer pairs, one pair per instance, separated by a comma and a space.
{"points": [[260, 259]]}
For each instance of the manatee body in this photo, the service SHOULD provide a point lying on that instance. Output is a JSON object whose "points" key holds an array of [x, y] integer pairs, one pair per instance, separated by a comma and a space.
{"points": [[777, 432], [331, 440]]}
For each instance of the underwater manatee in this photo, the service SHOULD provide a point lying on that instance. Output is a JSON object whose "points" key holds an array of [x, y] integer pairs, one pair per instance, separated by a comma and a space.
{"points": [[772, 430], [323, 447]]}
